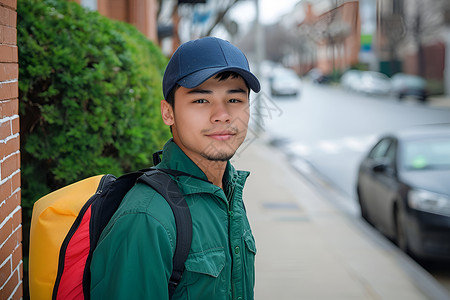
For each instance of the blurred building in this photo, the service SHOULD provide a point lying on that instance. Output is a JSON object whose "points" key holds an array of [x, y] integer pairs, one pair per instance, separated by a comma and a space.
{"points": [[140, 13], [411, 38], [336, 31], [328, 34]]}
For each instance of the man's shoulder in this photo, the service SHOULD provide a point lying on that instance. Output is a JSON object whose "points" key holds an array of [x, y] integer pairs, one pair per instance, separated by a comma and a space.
{"points": [[142, 206], [143, 199]]}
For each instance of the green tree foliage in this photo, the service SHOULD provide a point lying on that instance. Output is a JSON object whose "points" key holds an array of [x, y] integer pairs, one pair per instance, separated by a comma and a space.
{"points": [[89, 96]]}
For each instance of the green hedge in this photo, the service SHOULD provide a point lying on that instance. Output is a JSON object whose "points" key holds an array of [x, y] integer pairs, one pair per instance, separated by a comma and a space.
{"points": [[89, 91]]}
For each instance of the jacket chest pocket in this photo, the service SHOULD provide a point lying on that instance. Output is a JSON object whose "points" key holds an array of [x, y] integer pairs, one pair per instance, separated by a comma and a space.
{"points": [[203, 276], [250, 245]]}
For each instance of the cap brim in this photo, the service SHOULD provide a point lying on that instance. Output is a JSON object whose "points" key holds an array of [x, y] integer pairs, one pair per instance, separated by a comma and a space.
{"points": [[195, 79]]}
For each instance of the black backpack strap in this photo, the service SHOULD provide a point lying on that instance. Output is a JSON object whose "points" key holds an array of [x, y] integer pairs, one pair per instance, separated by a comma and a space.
{"points": [[167, 187], [156, 157], [107, 200]]}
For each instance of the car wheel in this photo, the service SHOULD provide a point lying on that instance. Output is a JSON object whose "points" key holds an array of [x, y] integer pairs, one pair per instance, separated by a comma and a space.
{"points": [[401, 238]]}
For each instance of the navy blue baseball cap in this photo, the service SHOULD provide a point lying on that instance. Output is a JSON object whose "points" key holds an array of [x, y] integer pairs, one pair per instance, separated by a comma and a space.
{"points": [[196, 61]]}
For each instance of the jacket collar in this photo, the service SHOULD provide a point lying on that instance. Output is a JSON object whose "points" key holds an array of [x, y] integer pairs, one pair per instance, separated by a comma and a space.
{"points": [[175, 159]]}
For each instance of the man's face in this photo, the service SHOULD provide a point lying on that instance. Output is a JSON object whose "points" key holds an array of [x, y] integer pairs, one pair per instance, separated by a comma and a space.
{"points": [[209, 121]]}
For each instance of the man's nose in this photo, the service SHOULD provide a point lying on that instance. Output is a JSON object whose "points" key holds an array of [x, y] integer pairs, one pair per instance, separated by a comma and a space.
{"points": [[220, 114]]}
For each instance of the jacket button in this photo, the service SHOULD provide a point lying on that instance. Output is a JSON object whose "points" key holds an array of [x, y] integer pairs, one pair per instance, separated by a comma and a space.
{"points": [[236, 250]]}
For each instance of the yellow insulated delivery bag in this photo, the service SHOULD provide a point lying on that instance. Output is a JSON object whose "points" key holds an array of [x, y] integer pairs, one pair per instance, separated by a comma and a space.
{"points": [[66, 226], [53, 215]]}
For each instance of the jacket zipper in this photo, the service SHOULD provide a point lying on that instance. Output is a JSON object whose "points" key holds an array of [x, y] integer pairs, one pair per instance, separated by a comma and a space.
{"points": [[102, 182], [229, 195]]}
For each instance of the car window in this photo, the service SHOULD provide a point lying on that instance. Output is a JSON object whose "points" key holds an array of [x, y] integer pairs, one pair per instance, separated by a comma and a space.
{"points": [[427, 154], [390, 153], [380, 149]]}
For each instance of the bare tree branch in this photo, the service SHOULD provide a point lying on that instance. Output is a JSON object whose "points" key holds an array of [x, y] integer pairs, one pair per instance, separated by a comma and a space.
{"points": [[220, 16]]}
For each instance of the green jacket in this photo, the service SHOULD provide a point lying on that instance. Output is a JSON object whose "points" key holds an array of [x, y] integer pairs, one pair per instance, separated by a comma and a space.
{"points": [[133, 259]]}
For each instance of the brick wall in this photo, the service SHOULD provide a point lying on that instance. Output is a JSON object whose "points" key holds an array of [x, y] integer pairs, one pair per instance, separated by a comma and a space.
{"points": [[140, 13], [11, 264]]}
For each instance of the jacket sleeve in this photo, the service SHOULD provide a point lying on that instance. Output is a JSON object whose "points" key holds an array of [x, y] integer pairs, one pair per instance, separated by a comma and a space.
{"points": [[133, 260]]}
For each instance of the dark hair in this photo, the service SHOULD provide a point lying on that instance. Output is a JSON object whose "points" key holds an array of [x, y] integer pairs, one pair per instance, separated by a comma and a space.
{"points": [[171, 96], [221, 76], [227, 74]]}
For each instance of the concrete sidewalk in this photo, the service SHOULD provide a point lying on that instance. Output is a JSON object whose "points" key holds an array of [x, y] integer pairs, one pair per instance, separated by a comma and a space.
{"points": [[308, 248], [441, 101]]}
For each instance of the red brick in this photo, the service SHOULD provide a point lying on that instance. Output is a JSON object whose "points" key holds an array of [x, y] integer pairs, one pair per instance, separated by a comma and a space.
{"points": [[12, 224], [8, 35], [17, 219], [8, 53], [9, 165], [5, 272], [8, 247], [8, 16], [10, 3], [19, 235], [6, 231], [9, 71], [12, 201], [9, 107], [12, 145], [5, 193], [15, 184], [15, 125], [5, 130], [18, 295], [17, 257], [10, 286], [9, 90]]}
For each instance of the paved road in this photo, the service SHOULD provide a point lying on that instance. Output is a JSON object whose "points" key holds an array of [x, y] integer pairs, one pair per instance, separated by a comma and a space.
{"points": [[333, 128]]}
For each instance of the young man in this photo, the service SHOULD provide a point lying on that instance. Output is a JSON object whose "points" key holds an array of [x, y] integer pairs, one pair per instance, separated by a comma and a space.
{"points": [[206, 88]]}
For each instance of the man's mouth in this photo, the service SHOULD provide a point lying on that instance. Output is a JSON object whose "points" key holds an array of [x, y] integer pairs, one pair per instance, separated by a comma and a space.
{"points": [[221, 136]]}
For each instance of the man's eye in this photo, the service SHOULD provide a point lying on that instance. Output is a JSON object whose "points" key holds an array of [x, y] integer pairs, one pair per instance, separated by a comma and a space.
{"points": [[235, 100], [200, 101]]}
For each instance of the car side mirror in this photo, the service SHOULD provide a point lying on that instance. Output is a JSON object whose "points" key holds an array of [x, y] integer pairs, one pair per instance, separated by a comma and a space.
{"points": [[383, 166], [380, 167]]}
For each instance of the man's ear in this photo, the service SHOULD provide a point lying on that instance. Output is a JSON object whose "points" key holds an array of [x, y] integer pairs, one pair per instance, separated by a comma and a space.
{"points": [[167, 113]]}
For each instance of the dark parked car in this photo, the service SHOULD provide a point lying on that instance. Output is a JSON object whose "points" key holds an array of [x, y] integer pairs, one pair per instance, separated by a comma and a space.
{"points": [[317, 76], [403, 188], [404, 85]]}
